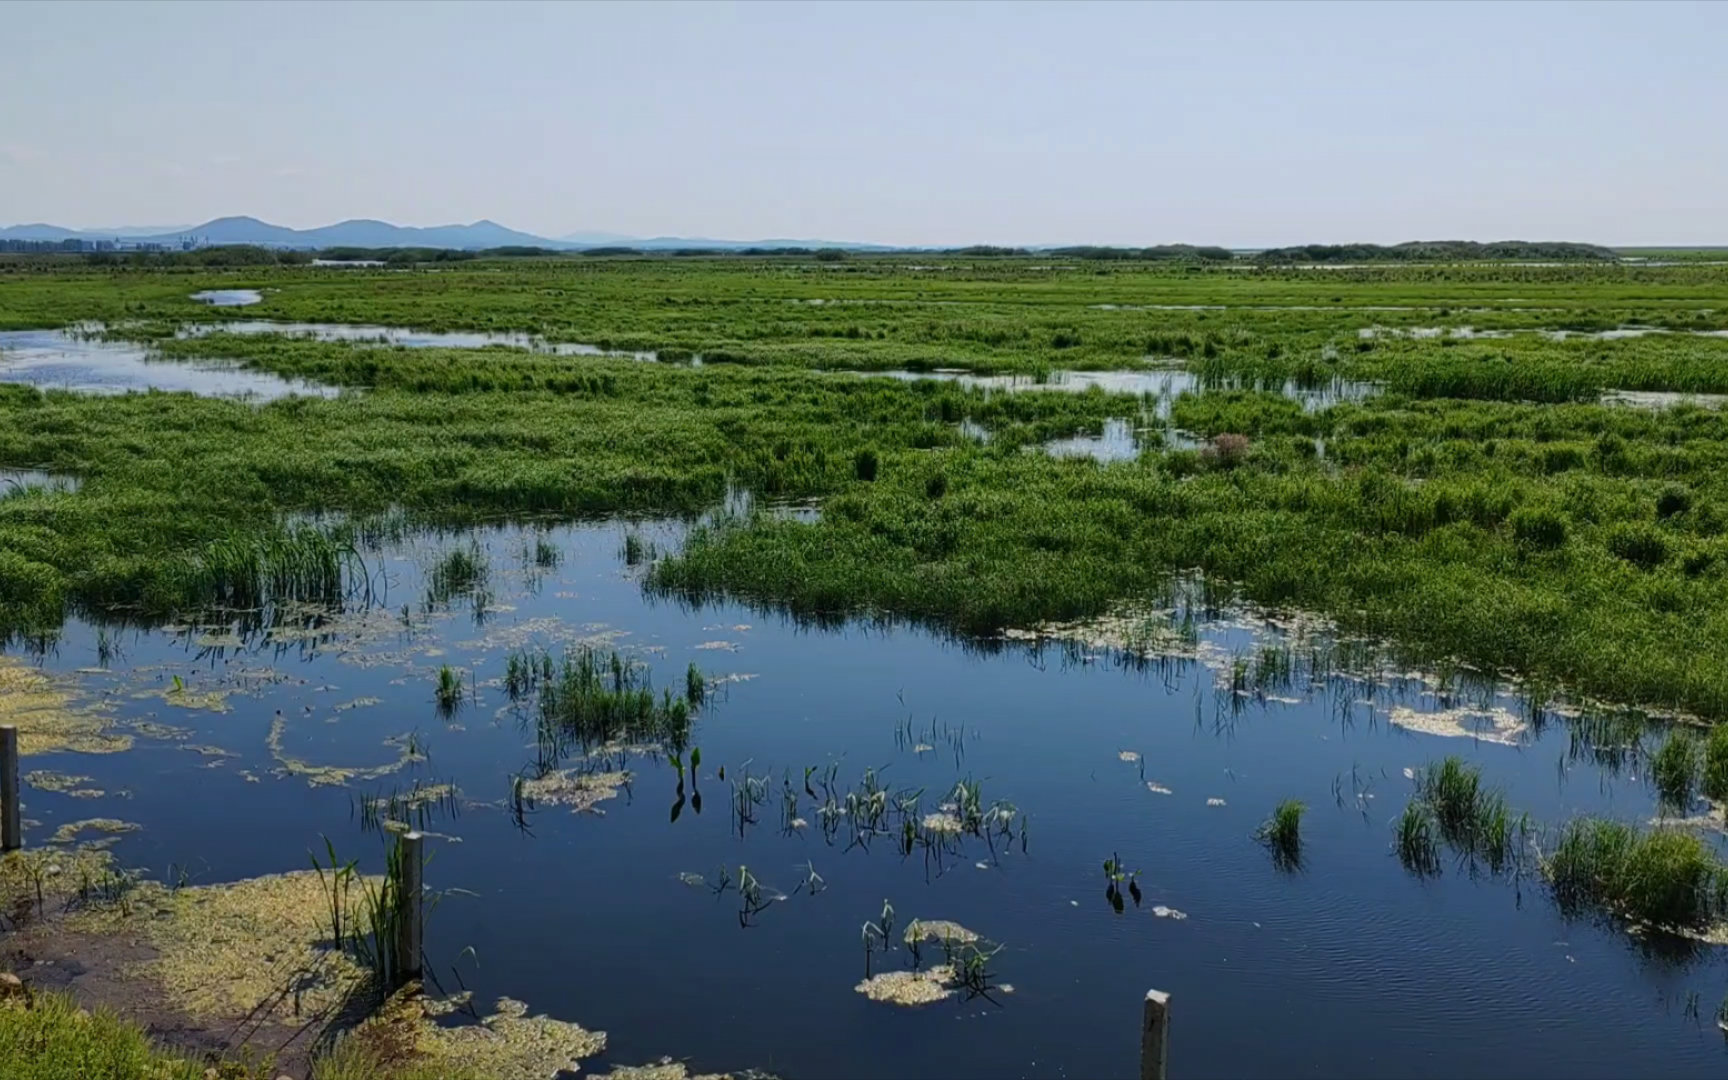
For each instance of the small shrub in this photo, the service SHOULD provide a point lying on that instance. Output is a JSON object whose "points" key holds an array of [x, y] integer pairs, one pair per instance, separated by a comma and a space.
{"points": [[1540, 527], [1225, 451]]}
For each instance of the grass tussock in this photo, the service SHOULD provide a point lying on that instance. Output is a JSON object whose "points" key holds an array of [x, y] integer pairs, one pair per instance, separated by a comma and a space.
{"points": [[1674, 768], [47, 1036], [596, 696], [1282, 832], [1452, 806], [1668, 878], [1714, 782]]}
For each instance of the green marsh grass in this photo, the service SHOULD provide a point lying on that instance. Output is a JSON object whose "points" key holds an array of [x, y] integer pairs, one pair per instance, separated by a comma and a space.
{"points": [[1415, 839], [1714, 782], [597, 696], [1674, 769], [51, 1038], [1661, 877], [1474, 820], [365, 914], [1482, 505], [1282, 832], [448, 690]]}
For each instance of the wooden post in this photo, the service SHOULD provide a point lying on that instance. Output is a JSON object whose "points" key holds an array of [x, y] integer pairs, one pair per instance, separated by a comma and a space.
{"points": [[409, 909], [11, 821], [1155, 1035]]}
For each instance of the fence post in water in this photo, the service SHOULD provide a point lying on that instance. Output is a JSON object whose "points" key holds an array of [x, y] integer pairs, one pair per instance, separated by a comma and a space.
{"points": [[11, 823], [1155, 1035], [409, 909]]}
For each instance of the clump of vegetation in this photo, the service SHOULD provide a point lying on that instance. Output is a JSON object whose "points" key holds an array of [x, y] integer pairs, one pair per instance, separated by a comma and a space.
{"points": [[1474, 820], [1660, 877], [1674, 768], [1415, 841], [598, 696], [462, 571], [365, 915], [1715, 778], [1282, 833], [449, 689], [1539, 527], [45, 1035], [1639, 544]]}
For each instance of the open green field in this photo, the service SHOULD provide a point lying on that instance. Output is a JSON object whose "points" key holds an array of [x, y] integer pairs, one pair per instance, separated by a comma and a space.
{"points": [[1485, 505]]}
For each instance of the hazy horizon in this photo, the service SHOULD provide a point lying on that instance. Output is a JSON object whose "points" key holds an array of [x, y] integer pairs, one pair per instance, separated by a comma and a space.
{"points": [[1245, 125]]}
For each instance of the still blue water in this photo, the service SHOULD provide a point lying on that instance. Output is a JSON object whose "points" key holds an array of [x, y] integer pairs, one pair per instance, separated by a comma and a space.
{"points": [[1348, 967]]}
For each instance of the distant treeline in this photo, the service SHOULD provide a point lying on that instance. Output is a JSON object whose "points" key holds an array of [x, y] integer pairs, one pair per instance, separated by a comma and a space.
{"points": [[1415, 251], [1438, 251], [1162, 252]]}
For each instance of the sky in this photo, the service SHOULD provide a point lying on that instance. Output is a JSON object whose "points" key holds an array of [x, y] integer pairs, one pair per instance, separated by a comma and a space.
{"points": [[1242, 124]]}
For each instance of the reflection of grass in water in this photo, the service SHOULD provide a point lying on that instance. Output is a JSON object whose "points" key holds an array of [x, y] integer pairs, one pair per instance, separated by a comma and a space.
{"points": [[1662, 877], [419, 807]]}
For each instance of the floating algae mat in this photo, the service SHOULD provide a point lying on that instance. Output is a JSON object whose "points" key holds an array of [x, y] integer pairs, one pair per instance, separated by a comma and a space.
{"points": [[48, 716], [643, 842]]}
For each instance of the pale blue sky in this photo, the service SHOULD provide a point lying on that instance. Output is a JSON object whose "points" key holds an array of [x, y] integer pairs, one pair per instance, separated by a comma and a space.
{"points": [[1241, 124]]}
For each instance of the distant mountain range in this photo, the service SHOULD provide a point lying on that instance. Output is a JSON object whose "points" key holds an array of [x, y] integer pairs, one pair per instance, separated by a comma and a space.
{"points": [[381, 234]]}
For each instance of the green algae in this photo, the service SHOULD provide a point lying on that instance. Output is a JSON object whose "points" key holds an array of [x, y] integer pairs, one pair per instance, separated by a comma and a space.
{"points": [[44, 711], [114, 827]]}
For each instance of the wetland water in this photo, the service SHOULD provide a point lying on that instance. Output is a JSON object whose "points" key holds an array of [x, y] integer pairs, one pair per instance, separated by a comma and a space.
{"points": [[1348, 967], [79, 361]]}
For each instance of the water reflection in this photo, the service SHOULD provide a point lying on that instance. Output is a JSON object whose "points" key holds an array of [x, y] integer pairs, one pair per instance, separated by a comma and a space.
{"points": [[80, 361], [229, 297]]}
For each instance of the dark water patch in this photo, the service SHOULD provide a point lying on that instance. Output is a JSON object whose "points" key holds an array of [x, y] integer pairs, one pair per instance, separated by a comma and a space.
{"points": [[1157, 741], [79, 360]]}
